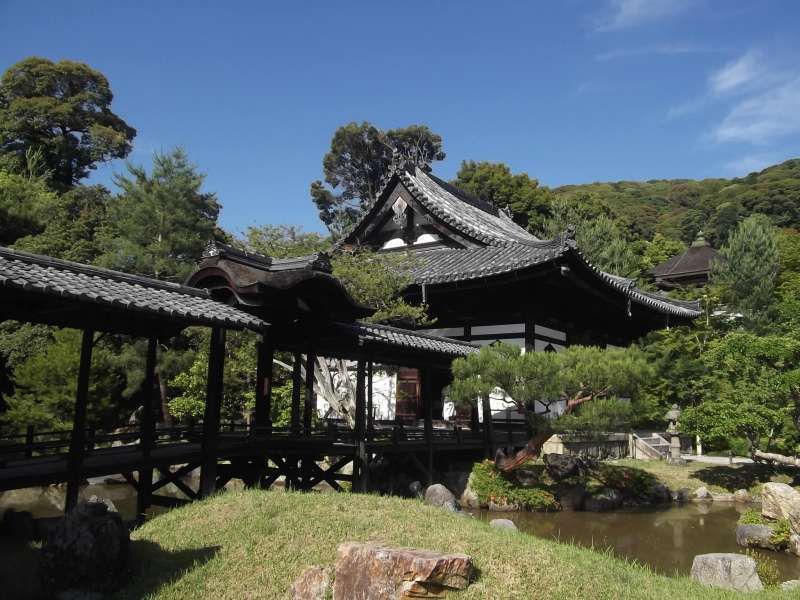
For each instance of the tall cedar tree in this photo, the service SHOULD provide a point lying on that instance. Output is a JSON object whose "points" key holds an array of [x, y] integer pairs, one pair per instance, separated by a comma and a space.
{"points": [[162, 221], [356, 166], [747, 268], [62, 109]]}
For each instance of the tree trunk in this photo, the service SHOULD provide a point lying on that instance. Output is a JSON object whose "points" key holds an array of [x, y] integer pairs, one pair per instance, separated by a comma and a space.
{"points": [[791, 461]]}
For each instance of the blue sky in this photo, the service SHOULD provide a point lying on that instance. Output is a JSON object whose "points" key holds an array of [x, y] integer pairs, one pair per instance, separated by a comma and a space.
{"points": [[566, 91]]}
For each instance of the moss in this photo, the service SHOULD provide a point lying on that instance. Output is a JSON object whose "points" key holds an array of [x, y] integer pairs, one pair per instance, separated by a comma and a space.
{"points": [[752, 517], [780, 533], [492, 485]]}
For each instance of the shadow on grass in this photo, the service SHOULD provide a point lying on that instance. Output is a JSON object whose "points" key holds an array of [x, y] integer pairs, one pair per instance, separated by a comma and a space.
{"points": [[152, 567], [742, 476]]}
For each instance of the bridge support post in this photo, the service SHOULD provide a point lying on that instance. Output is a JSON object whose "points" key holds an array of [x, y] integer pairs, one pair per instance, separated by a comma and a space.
{"points": [[216, 364], [370, 424], [427, 407], [292, 462], [147, 436], [360, 464], [262, 417], [488, 426], [310, 396], [77, 444]]}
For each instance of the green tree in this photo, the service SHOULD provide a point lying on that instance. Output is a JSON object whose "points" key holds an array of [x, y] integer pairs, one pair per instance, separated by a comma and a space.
{"points": [[162, 221], [528, 202], [545, 386], [24, 206], [356, 166], [62, 109], [75, 226], [747, 268], [658, 250], [283, 241]]}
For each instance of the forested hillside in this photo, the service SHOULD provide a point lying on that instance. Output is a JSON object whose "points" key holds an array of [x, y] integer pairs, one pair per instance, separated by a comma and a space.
{"points": [[678, 208]]}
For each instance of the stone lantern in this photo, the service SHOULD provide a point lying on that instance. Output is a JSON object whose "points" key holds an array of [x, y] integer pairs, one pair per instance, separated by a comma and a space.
{"points": [[672, 417]]}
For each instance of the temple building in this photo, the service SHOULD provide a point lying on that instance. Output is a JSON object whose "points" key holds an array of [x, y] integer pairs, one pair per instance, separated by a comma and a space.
{"points": [[485, 278], [690, 269]]}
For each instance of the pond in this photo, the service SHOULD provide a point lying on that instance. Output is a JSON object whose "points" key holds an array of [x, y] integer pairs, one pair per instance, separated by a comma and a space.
{"points": [[666, 539]]}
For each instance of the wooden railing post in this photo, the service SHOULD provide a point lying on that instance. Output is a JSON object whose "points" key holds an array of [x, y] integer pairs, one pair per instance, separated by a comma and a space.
{"points": [[77, 444]]}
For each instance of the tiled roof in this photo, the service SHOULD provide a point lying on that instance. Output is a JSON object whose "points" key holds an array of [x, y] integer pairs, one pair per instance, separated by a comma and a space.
{"points": [[474, 217], [384, 335], [113, 289], [696, 260], [438, 266], [319, 261]]}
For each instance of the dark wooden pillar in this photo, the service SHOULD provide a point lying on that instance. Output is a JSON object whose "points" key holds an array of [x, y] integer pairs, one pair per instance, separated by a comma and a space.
{"points": [[263, 408], [427, 407], [370, 408], [211, 417], [148, 432], [310, 396], [360, 464], [297, 386], [77, 442], [530, 333]]}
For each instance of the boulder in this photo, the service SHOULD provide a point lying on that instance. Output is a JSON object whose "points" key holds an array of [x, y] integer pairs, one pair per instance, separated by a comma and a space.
{"points": [[503, 524], [659, 494], [416, 489], [724, 570], [438, 495], [87, 550], [527, 477], [561, 466], [680, 496], [702, 494], [742, 496], [369, 570], [781, 501], [755, 536], [313, 584], [570, 497], [603, 499], [469, 499], [794, 544]]}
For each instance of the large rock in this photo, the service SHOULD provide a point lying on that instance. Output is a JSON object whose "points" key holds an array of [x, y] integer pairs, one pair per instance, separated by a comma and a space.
{"points": [[680, 496], [742, 496], [366, 571], [722, 497], [603, 499], [570, 497], [702, 494], [313, 584], [729, 571], [792, 584], [562, 466], [781, 501], [469, 498], [755, 536], [438, 495], [659, 494], [794, 544], [503, 524], [87, 550]]}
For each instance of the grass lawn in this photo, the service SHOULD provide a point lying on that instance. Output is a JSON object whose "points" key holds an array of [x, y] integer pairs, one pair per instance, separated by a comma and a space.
{"points": [[717, 478], [252, 544]]}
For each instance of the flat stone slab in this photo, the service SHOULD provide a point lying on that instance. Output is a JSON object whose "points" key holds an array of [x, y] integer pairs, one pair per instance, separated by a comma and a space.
{"points": [[368, 571], [726, 570], [503, 524]]}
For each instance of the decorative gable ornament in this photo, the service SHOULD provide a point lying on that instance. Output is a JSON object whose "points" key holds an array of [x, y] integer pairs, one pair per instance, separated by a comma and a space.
{"points": [[399, 208]]}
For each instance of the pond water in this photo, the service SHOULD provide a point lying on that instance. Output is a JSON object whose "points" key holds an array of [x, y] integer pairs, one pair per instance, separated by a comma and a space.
{"points": [[666, 539]]}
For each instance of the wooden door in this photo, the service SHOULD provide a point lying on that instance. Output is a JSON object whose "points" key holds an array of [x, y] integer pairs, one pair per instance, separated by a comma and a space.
{"points": [[407, 404]]}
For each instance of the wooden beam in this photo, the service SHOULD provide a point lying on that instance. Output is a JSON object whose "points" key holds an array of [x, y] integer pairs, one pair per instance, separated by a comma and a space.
{"points": [[77, 445], [216, 366], [148, 432], [310, 396]]}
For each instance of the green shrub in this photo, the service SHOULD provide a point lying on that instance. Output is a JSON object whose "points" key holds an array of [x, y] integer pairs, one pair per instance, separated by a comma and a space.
{"points": [[492, 485], [629, 482], [751, 517], [780, 533], [766, 567]]}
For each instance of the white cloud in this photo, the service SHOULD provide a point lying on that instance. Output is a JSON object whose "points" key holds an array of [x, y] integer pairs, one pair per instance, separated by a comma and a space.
{"points": [[764, 117], [738, 73], [630, 13]]}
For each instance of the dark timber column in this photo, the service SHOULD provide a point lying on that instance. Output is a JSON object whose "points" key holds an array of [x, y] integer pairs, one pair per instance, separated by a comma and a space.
{"points": [[310, 399], [263, 421], [360, 467], [294, 421], [370, 425], [148, 433], [77, 442], [427, 406], [530, 333], [216, 364]]}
